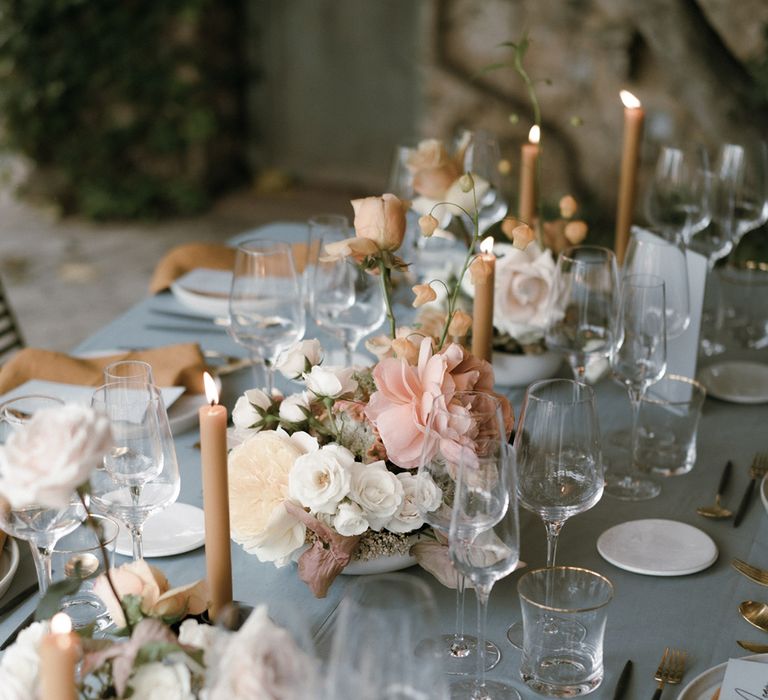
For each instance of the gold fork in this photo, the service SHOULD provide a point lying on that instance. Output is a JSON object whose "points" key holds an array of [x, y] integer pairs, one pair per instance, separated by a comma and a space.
{"points": [[751, 572], [757, 470], [670, 670]]}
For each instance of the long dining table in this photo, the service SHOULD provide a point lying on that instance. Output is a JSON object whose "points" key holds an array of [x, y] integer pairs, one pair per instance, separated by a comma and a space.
{"points": [[696, 612]]}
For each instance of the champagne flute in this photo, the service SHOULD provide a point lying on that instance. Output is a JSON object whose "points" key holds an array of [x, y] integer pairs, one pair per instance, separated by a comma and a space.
{"points": [[582, 306], [484, 542], [559, 459], [266, 309], [140, 474], [446, 436], [639, 360]]}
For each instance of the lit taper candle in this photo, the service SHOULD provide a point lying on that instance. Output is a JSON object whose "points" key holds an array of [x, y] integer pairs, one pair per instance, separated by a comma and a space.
{"points": [[528, 165], [483, 274], [630, 159], [59, 652]]}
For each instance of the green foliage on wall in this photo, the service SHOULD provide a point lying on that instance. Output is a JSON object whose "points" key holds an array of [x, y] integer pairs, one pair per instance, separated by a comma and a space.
{"points": [[128, 108]]}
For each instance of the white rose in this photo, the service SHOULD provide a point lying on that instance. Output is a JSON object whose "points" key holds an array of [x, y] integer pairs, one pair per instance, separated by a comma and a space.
{"points": [[299, 358], [20, 664], [205, 637], [282, 535], [320, 480], [291, 408], [377, 491], [331, 382], [349, 520], [49, 456], [420, 495], [248, 413], [161, 681]]}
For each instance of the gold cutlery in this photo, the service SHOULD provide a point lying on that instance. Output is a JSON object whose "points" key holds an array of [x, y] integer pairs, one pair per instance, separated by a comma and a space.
{"points": [[670, 670], [754, 647], [757, 471], [717, 511], [216, 320], [755, 614], [751, 572]]}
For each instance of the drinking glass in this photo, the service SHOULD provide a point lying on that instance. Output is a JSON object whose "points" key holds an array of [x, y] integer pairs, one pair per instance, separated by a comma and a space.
{"points": [[678, 201], [639, 360], [140, 474], [559, 459], [382, 646], [582, 306], [484, 542], [128, 371], [42, 527], [439, 464], [346, 301], [266, 308], [319, 227]]}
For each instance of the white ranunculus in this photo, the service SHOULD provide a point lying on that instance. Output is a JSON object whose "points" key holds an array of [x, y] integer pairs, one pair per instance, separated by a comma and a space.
{"points": [[262, 661], [349, 520], [248, 413], [320, 480], [20, 664], [299, 358], [49, 456], [291, 408], [331, 382], [377, 491], [420, 495], [162, 681]]}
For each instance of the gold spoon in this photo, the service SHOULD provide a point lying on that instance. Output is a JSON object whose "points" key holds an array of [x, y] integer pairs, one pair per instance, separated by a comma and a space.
{"points": [[753, 646], [755, 614], [717, 511]]}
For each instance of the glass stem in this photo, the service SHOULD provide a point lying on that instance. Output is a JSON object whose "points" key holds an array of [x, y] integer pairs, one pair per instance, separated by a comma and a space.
{"points": [[634, 401], [138, 547], [42, 558], [269, 377], [553, 528], [579, 366], [459, 646], [482, 593]]}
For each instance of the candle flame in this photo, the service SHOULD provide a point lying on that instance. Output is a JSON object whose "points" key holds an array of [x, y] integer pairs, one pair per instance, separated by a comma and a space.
{"points": [[534, 135], [61, 624], [211, 392], [487, 245], [629, 100]]}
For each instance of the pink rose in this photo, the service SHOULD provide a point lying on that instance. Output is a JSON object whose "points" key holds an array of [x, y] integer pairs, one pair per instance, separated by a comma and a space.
{"points": [[381, 220]]}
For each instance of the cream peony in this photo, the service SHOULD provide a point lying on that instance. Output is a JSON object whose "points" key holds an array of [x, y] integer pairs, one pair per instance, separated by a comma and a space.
{"points": [[159, 680], [258, 485], [292, 408], [420, 495], [248, 413], [331, 382], [320, 480], [377, 491], [349, 519], [51, 455], [299, 358], [20, 664]]}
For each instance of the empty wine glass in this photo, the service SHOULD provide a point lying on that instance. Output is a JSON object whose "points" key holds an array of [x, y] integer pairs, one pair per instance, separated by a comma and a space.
{"points": [[484, 542], [639, 360], [319, 227], [139, 474], [446, 435], [266, 309], [678, 199], [582, 306], [128, 371], [559, 459], [346, 300]]}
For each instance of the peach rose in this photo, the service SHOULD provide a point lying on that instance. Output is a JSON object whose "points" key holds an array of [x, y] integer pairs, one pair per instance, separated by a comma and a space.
{"points": [[356, 248], [434, 171], [191, 599], [135, 578], [381, 220]]}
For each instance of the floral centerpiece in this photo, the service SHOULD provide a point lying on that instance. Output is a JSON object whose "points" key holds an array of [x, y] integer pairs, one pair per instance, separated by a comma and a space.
{"points": [[327, 474]]}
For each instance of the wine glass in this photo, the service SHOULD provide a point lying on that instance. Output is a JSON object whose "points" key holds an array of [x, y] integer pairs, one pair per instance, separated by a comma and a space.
{"points": [[128, 371], [266, 309], [346, 301], [484, 542], [140, 474], [639, 360], [41, 526], [446, 423], [559, 459], [318, 227], [582, 306], [678, 199]]}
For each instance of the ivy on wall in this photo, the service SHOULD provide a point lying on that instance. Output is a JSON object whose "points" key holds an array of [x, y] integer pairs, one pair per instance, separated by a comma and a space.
{"points": [[128, 108]]}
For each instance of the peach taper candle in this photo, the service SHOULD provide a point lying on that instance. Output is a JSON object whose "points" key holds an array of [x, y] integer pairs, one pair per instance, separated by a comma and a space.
{"points": [[528, 165], [59, 652], [483, 274], [634, 115]]}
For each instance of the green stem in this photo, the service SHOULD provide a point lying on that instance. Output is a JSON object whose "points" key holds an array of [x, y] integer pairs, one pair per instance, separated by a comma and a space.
{"points": [[386, 286]]}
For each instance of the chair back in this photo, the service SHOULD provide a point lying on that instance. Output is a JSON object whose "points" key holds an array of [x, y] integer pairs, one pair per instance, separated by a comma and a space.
{"points": [[10, 333]]}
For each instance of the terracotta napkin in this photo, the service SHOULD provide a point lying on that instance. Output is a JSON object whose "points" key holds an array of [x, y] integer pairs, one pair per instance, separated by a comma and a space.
{"points": [[215, 256], [172, 365]]}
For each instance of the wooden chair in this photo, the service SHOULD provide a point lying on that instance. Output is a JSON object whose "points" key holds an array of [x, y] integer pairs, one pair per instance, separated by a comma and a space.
{"points": [[10, 333]]}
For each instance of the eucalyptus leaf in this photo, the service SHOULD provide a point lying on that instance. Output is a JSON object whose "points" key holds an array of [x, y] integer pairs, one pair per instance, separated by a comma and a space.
{"points": [[50, 603]]}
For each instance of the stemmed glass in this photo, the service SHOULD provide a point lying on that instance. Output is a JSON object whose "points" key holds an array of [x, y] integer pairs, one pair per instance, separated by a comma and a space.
{"points": [[346, 301], [266, 308], [639, 360], [319, 227], [443, 444], [41, 526], [559, 459], [140, 474], [484, 542], [582, 306]]}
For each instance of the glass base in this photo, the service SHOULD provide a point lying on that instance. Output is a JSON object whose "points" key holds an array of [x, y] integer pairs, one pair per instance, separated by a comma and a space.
{"points": [[86, 609], [492, 690], [515, 634], [463, 661], [631, 488]]}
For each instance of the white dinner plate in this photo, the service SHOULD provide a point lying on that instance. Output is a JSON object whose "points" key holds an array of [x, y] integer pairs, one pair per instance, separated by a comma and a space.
{"points": [[9, 562], [705, 684], [764, 491], [738, 382], [204, 291], [656, 547], [177, 529]]}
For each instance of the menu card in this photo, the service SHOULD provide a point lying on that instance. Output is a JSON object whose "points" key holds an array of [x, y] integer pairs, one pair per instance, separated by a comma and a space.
{"points": [[745, 680]]}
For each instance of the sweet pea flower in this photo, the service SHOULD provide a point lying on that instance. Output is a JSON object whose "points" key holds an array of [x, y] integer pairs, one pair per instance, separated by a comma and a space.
{"points": [[575, 232], [568, 207], [424, 294], [522, 235], [428, 224], [299, 358], [381, 220], [460, 323]]}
